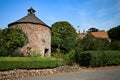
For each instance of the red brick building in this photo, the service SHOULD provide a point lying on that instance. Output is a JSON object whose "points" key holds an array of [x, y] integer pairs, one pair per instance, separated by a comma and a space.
{"points": [[99, 34]]}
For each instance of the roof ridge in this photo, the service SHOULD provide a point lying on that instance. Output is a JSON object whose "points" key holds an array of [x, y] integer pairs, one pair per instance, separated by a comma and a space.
{"points": [[29, 18]]}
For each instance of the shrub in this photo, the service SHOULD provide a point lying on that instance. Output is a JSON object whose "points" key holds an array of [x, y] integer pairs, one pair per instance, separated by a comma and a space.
{"points": [[65, 59], [115, 45], [9, 63], [89, 42], [78, 50], [35, 53], [99, 58], [85, 59], [69, 58], [17, 53], [61, 62], [10, 40], [60, 57]]}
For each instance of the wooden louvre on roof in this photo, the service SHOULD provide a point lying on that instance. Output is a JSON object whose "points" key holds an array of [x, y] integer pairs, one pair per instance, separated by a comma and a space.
{"points": [[30, 18]]}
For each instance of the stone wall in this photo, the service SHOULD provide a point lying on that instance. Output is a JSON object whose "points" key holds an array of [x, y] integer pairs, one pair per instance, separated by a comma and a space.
{"points": [[39, 38], [22, 73]]}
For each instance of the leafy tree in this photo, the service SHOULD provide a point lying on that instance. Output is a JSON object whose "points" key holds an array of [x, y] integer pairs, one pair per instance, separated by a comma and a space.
{"points": [[88, 42], [79, 46], [115, 45], [93, 29], [114, 33], [10, 40], [78, 50], [92, 43], [63, 36]]}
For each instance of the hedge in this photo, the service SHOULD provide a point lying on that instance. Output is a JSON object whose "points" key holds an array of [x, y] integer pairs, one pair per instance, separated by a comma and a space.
{"points": [[9, 63], [99, 58]]}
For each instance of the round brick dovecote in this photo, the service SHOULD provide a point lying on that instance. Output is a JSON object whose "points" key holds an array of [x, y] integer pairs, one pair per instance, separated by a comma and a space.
{"points": [[38, 33]]}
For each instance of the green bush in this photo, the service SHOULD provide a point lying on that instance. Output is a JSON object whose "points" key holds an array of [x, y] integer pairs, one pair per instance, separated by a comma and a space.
{"points": [[58, 55], [61, 58], [99, 58], [35, 53], [69, 58], [66, 59], [10, 40], [17, 53], [9, 63], [89, 42], [115, 45], [61, 62]]}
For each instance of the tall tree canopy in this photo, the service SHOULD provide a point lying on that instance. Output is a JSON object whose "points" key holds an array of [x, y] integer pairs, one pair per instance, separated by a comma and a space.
{"points": [[63, 36], [93, 29], [10, 40], [114, 33]]}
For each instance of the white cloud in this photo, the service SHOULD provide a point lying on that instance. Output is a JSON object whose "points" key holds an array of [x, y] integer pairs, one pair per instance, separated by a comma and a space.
{"points": [[101, 18], [104, 22]]}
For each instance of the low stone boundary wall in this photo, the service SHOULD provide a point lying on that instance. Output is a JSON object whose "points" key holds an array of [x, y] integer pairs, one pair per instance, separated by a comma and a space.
{"points": [[22, 73]]}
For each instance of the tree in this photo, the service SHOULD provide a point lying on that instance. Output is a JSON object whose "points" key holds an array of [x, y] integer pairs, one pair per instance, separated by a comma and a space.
{"points": [[63, 36], [115, 45], [92, 43], [88, 42], [93, 29], [114, 33], [10, 40], [78, 50]]}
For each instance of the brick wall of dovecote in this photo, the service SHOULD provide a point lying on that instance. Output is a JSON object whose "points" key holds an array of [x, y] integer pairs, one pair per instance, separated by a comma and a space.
{"points": [[39, 37]]}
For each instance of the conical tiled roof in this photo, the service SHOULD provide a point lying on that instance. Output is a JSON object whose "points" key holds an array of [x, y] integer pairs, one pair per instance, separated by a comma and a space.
{"points": [[30, 18]]}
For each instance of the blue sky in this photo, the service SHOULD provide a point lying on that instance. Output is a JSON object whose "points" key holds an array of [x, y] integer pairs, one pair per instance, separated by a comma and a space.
{"points": [[102, 14]]}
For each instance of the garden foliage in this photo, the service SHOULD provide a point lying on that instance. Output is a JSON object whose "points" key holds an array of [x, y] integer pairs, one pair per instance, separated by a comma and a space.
{"points": [[99, 58], [114, 33], [95, 44], [63, 37], [10, 40]]}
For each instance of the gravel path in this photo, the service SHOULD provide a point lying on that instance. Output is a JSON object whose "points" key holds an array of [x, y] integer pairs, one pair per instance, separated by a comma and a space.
{"points": [[107, 74]]}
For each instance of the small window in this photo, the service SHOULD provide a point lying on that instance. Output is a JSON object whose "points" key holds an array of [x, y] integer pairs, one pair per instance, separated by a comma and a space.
{"points": [[46, 52]]}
